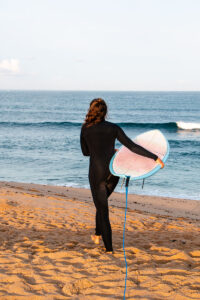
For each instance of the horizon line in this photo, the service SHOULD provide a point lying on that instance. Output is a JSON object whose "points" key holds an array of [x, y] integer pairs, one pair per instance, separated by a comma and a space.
{"points": [[63, 90]]}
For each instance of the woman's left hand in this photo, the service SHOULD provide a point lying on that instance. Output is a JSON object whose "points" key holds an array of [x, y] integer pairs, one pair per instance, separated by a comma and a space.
{"points": [[160, 162]]}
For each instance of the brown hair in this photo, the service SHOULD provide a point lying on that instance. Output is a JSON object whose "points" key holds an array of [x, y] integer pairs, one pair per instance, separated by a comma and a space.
{"points": [[96, 112]]}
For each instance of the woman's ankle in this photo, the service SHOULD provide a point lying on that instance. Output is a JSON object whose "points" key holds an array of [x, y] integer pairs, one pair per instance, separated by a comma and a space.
{"points": [[109, 250]]}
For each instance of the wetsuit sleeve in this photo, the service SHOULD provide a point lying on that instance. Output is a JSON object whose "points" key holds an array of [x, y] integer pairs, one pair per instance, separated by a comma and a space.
{"points": [[127, 142], [84, 146]]}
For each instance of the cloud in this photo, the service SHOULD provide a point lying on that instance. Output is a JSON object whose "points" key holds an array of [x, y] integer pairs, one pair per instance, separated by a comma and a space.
{"points": [[9, 66]]}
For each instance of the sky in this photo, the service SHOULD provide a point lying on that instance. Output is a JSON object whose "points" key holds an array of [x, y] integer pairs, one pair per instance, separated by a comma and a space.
{"points": [[112, 45]]}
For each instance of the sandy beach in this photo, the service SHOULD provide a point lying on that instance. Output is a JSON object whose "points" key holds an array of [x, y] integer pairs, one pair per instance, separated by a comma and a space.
{"points": [[47, 253]]}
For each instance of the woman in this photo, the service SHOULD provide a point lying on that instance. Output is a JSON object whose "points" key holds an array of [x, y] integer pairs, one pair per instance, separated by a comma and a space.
{"points": [[98, 141]]}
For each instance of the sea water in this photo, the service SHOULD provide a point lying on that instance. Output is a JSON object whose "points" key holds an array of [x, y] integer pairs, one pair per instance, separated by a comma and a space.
{"points": [[40, 137]]}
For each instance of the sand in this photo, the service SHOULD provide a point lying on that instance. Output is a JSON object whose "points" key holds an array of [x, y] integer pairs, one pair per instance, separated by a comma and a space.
{"points": [[46, 251]]}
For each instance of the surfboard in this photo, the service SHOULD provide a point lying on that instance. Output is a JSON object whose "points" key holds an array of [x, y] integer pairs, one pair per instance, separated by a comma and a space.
{"points": [[126, 163]]}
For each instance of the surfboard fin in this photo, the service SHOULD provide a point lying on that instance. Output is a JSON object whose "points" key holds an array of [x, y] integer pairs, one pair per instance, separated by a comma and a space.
{"points": [[127, 180], [143, 183]]}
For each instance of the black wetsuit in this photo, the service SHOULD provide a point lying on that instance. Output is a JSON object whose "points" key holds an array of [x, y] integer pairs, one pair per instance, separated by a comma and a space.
{"points": [[98, 142]]}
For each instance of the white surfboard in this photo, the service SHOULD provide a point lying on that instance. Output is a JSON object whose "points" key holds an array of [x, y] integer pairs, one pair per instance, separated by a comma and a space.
{"points": [[127, 163]]}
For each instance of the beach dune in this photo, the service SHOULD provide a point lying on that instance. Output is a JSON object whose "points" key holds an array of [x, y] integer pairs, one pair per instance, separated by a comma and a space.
{"points": [[46, 251]]}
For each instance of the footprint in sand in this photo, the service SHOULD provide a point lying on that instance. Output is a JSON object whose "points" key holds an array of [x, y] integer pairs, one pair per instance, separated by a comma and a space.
{"points": [[28, 279], [12, 203], [77, 287], [71, 245]]}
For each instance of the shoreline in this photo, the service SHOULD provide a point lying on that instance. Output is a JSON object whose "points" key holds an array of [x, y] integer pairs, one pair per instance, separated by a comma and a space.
{"points": [[122, 191], [176, 207], [118, 190], [46, 251]]}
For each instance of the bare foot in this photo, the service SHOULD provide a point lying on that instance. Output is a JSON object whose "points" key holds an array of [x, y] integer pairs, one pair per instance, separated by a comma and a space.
{"points": [[96, 239], [110, 252]]}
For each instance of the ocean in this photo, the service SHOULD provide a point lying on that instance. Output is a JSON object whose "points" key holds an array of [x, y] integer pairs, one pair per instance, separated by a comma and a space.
{"points": [[40, 137]]}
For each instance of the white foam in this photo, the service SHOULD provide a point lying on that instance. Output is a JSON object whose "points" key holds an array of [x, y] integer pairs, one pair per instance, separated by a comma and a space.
{"points": [[74, 185], [188, 126]]}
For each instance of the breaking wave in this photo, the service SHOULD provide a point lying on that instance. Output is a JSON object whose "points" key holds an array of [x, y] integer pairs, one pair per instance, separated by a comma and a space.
{"points": [[169, 126]]}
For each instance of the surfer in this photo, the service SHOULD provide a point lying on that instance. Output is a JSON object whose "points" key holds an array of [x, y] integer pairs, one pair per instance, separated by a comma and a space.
{"points": [[98, 141]]}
